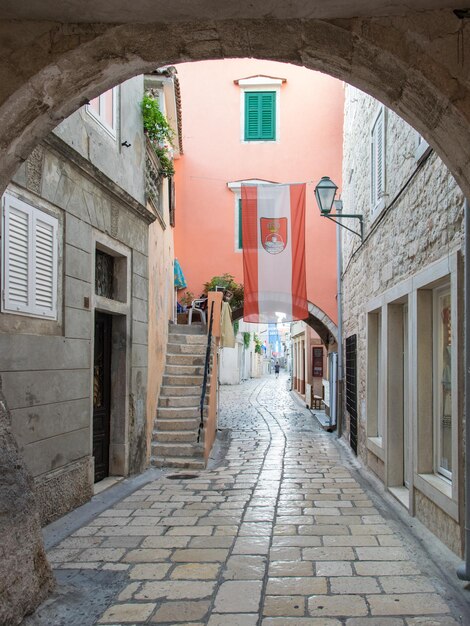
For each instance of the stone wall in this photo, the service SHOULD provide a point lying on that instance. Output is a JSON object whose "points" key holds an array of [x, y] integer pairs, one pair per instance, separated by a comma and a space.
{"points": [[420, 224], [46, 366]]}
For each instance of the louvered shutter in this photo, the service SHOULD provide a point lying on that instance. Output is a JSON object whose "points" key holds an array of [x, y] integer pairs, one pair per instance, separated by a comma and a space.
{"points": [[378, 159], [45, 265], [16, 258], [29, 260], [251, 116], [260, 115], [267, 115]]}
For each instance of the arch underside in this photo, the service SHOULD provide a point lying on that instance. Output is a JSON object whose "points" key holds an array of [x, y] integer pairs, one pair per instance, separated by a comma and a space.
{"points": [[409, 62], [323, 325]]}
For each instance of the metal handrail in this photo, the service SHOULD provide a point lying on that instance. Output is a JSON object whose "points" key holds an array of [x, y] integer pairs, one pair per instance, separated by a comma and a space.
{"points": [[206, 372]]}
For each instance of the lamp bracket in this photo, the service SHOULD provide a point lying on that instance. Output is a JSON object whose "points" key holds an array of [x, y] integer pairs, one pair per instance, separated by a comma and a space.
{"points": [[348, 216]]}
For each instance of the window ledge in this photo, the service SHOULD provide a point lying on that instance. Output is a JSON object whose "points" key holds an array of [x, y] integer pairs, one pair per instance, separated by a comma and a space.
{"points": [[375, 445], [439, 491], [378, 209]]}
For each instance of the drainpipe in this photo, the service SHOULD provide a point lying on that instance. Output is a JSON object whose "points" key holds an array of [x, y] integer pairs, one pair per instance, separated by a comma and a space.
{"points": [[339, 300], [463, 572]]}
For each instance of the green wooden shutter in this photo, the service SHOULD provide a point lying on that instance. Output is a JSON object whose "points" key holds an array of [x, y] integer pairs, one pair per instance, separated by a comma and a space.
{"points": [[260, 115], [240, 230]]}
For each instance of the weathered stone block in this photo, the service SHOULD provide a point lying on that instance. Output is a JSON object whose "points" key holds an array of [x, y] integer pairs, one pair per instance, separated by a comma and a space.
{"points": [[25, 575]]}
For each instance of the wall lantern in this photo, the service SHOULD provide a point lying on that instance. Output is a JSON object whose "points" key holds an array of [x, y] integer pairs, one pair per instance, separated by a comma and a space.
{"points": [[325, 192]]}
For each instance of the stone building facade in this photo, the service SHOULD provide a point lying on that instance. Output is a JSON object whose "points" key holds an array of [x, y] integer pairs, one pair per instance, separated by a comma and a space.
{"points": [[403, 315], [74, 328]]}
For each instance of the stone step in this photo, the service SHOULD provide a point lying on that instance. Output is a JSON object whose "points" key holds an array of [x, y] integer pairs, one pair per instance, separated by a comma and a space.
{"points": [[184, 370], [182, 381], [175, 401], [194, 340], [175, 436], [187, 329], [179, 412], [168, 391], [194, 464], [183, 423], [186, 450], [185, 359], [187, 348]]}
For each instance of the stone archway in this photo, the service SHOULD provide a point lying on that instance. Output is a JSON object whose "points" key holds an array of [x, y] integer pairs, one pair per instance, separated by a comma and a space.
{"points": [[410, 62], [317, 319]]}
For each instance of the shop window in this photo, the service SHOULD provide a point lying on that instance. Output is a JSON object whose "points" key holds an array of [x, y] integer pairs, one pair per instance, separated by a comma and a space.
{"points": [[442, 383], [29, 260], [374, 376]]}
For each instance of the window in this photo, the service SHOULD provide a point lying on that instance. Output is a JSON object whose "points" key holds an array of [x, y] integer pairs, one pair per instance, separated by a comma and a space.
{"points": [[104, 110], [422, 148], [377, 162], [260, 115], [317, 362], [30, 260], [442, 383]]}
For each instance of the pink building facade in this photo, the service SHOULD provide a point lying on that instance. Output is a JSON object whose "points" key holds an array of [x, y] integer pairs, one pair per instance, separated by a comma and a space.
{"points": [[250, 120]]}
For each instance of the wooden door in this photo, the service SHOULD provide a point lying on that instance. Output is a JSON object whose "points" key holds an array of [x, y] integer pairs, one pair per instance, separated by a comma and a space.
{"points": [[102, 394]]}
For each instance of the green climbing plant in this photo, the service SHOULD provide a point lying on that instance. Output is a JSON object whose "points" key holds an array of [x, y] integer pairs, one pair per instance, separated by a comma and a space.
{"points": [[159, 133], [258, 344], [246, 340]]}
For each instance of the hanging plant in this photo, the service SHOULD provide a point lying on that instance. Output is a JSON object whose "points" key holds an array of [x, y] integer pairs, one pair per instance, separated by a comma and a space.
{"points": [[159, 133], [246, 340], [258, 344], [236, 326]]}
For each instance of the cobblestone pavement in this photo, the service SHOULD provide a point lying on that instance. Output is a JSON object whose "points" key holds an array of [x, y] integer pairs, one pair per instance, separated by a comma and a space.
{"points": [[280, 534]]}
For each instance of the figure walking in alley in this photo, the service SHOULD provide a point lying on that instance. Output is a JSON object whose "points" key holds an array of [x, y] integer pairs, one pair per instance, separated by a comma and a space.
{"points": [[276, 369]]}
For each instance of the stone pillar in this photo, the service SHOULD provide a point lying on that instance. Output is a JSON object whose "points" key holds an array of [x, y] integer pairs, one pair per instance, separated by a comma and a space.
{"points": [[25, 575]]}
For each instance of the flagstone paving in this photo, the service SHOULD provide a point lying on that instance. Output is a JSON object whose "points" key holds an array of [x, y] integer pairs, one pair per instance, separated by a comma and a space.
{"points": [[281, 534]]}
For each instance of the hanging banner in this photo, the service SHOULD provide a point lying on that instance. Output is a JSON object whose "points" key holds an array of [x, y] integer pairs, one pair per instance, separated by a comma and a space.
{"points": [[273, 225]]}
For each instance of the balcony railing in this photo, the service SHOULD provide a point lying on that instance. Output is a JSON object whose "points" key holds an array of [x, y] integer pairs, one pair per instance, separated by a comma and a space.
{"points": [[153, 181]]}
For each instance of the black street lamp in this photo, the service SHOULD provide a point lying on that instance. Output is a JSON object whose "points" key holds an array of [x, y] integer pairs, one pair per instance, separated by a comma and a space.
{"points": [[325, 192]]}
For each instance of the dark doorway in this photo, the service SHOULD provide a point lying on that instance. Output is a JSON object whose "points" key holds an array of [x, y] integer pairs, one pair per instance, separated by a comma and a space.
{"points": [[102, 394]]}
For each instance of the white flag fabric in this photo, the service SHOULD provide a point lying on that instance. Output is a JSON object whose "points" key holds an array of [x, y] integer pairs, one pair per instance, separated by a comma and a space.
{"points": [[273, 230]]}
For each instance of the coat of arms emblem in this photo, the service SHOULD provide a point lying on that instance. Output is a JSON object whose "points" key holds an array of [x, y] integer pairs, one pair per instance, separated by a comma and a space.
{"points": [[274, 234]]}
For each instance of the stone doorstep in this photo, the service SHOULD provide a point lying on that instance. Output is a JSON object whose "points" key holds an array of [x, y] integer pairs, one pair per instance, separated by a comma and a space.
{"points": [[175, 401]]}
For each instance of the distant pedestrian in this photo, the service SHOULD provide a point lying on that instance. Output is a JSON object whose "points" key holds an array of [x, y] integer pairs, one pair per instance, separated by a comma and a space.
{"points": [[276, 369]]}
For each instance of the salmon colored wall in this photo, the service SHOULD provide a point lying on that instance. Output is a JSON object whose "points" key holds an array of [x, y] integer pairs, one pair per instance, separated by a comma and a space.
{"points": [[310, 146]]}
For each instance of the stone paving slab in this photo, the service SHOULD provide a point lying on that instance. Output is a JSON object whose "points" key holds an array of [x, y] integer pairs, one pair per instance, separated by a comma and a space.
{"points": [[279, 534]]}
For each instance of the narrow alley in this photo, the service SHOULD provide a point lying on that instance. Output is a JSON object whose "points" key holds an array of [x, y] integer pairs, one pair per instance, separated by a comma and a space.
{"points": [[278, 531]]}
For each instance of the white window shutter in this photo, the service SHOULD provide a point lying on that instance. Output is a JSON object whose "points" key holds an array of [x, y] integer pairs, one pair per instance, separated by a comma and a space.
{"points": [[30, 260], [45, 266], [380, 156], [377, 183]]}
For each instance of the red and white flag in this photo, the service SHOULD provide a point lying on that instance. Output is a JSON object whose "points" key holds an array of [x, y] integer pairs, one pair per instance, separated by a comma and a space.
{"points": [[273, 228]]}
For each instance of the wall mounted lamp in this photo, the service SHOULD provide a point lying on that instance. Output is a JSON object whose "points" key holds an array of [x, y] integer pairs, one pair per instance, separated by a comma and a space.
{"points": [[325, 193]]}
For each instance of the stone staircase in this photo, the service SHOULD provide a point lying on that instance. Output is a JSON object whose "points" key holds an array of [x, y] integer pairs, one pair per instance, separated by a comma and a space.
{"points": [[174, 441]]}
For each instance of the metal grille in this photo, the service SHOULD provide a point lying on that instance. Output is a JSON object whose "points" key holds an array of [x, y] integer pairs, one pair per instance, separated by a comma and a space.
{"points": [[104, 274], [351, 389]]}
